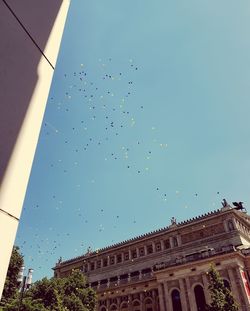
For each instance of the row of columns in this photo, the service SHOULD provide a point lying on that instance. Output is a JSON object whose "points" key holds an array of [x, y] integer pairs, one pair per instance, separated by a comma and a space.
{"points": [[130, 302], [140, 277], [189, 304], [166, 299]]}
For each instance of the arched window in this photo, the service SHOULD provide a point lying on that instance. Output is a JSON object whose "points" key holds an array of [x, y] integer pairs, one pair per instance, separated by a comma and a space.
{"points": [[114, 308], [226, 284], [176, 300], [148, 304], [136, 305], [200, 298], [124, 306], [230, 225], [103, 309]]}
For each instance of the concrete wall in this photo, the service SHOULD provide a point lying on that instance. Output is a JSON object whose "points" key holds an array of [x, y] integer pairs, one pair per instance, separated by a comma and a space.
{"points": [[30, 32]]}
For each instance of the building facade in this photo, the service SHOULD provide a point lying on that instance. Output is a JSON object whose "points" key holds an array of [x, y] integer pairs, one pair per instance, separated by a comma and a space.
{"points": [[165, 270]]}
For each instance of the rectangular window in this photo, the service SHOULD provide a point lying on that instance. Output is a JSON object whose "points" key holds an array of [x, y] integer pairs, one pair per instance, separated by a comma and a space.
{"points": [[98, 264], [141, 251], [167, 244], [134, 254], [158, 246], [126, 256], [119, 258], [149, 249]]}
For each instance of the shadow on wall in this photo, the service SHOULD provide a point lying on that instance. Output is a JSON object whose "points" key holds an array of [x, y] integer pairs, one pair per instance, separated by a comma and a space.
{"points": [[19, 59]]}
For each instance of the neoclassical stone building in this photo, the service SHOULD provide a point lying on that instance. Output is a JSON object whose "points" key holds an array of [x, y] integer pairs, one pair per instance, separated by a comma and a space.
{"points": [[165, 270]]}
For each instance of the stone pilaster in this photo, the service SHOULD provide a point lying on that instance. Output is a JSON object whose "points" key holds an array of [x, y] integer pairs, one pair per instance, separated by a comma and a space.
{"points": [[171, 242], [129, 277], [191, 297], [161, 297], [168, 300], [179, 240], [130, 254], [182, 295], [206, 290], [153, 246], [140, 275], [162, 245], [129, 302]]}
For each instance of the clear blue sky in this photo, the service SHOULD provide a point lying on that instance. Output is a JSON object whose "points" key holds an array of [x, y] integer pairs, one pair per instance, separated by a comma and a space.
{"points": [[147, 118]]}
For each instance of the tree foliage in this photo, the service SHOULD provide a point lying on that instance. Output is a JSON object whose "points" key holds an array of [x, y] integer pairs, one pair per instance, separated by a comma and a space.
{"points": [[11, 284], [222, 298], [65, 294]]}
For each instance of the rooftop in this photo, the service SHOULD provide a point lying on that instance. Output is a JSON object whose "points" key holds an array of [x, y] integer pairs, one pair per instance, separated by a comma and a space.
{"points": [[174, 225]]}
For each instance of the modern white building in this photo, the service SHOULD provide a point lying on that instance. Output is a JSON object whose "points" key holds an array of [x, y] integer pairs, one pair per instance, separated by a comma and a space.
{"points": [[30, 33]]}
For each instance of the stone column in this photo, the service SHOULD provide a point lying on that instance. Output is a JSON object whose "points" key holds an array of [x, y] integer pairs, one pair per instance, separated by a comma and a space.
{"points": [[140, 275], [154, 296], [129, 277], [101, 262], [168, 299], [206, 290], [118, 280], [233, 285], [122, 254], [137, 252], [129, 254], [179, 240], [129, 302], [145, 250], [162, 245], [141, 300], [191, 298], [108, 304], [108, 260], [98, 285], [153, 247], [118, 301], [171, 242], [183, 295], [108, 283], [225, 225], [161, 297], [152, 271]]}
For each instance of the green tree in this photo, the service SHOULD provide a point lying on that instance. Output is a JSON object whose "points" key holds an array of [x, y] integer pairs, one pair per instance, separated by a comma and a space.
{"points": [[11, 284], [65, 294], [222, 298]]}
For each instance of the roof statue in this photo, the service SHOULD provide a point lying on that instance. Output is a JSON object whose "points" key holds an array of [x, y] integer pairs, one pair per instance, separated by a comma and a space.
{"points": [[224, 203], [173, 221], [89, 250], [239, 206]]}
